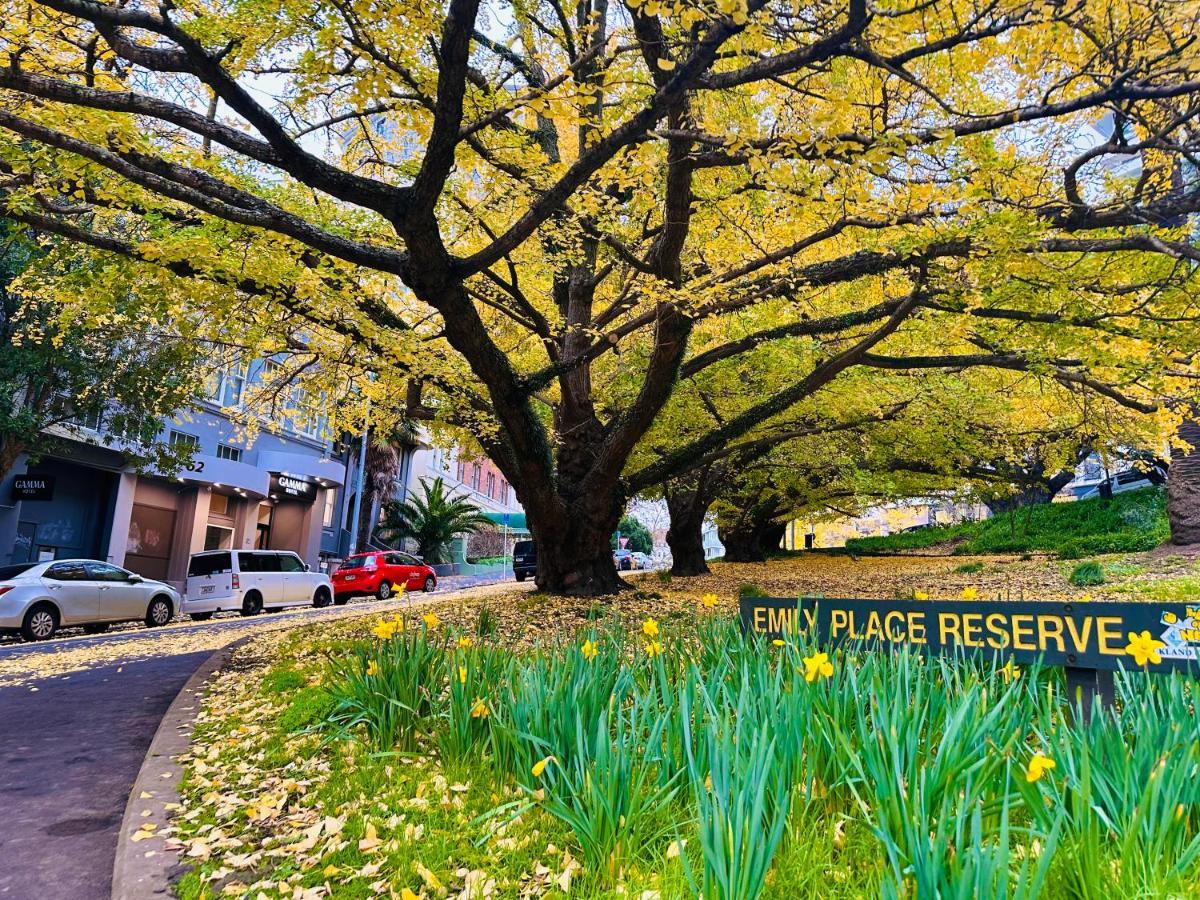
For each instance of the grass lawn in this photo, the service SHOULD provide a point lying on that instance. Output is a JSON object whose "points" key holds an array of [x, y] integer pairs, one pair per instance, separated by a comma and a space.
{"points": [[1132, 521], [523, 745]]}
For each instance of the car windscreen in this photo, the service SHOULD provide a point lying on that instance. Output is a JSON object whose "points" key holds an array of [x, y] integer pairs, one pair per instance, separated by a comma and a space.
{"points": [[210, 564], [354, 562], [13, 571], [524, 548]]}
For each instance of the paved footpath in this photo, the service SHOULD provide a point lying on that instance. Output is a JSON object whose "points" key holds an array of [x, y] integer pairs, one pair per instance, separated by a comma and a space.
{"points": [[76, 718]]}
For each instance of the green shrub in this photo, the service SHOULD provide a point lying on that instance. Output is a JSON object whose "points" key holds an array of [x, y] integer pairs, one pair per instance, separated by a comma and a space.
{"points": [[750, 592], [1131, 522], [307, 708], [281, 680], [969, 568], [664, 576], [1087, 573]]}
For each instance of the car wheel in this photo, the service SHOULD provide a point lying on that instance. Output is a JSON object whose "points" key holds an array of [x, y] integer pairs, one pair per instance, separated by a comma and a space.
{"points": [[95, 628], [40, 623], [159, 612], [430, 584], [321, 598], [520, 576], [200, 617], [342, 600], [384, 591], [252, 604]]}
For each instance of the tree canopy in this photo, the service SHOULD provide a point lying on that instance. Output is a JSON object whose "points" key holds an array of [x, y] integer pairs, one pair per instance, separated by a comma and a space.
{"points": [[540, 222], [62, 374]]}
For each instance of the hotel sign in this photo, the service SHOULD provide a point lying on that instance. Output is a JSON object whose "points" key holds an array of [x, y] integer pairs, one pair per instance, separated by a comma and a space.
{"points": [[293, 487], [1100, 636], [33, 487]]}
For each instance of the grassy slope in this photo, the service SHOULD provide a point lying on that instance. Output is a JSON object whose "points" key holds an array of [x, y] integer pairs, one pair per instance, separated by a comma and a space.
{"points": [[1132, 521]]}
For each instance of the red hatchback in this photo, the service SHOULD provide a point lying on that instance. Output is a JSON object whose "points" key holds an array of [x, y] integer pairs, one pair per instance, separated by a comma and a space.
{"points": [[382, 573]]}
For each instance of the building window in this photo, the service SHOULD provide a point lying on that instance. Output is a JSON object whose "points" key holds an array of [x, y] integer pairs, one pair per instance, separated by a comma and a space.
{"points": [[226, 385], [491, 483], [91, 420], [461, 474], [330, 508], [217, 537], [224, 451], [183, 439], [503, 491], [476, 471], [218, 504]]}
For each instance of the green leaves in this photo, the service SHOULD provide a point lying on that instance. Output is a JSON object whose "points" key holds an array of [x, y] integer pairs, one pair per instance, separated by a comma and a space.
{"points": [[433, 520]]}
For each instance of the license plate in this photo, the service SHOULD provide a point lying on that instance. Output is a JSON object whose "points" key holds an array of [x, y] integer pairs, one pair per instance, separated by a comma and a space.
{"points": [[350, 577], [208, 589]]}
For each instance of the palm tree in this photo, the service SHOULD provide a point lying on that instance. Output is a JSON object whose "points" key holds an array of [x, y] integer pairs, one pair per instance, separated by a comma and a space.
{"points": [[433, 521]]}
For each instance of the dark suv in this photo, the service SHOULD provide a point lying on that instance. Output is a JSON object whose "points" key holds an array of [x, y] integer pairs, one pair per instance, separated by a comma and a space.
{"points": [[524, 559]]}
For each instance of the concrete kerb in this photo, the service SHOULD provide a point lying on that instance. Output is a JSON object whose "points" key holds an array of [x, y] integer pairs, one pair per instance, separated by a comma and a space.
{"points": [[143, 867]]}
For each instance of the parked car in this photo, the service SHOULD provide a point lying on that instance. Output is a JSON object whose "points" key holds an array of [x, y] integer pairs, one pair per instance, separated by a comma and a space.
{"points": [[37, 599], [524, 559], [623, 560], [640, 560], [381, 573], [250, 581]]}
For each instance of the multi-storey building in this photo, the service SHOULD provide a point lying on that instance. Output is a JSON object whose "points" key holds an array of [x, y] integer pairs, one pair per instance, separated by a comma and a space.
{"points": [[281, 488]]}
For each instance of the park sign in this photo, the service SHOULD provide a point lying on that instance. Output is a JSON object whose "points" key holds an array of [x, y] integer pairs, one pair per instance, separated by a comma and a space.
{"points": [[1078, 635]]}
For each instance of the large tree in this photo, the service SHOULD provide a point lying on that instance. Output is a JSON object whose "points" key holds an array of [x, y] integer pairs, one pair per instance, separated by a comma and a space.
{"points": [[570, 209], [64, 375]]}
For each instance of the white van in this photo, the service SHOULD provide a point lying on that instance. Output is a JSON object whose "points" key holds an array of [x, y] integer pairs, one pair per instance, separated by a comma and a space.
{"points": [[250, 581]]}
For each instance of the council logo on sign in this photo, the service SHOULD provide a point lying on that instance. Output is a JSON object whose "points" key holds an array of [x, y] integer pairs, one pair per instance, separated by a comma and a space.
{"points": [[1181, 634]]}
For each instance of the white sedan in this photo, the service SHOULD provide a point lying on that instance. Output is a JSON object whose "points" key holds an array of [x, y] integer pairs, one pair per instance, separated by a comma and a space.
{"points": [[37, 599]]}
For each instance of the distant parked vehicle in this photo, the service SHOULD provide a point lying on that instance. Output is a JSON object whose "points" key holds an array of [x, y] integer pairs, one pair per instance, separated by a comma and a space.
{"points": [[640, 560], [623, 560], [524, 559], [250, 581], [37, 599], [382, 573]]}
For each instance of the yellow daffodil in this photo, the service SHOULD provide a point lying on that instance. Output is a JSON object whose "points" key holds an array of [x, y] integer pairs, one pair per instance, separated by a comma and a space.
{"points": [[654, 648], [431, 620], [708, 601], [1144, 648], [372, 668], [407, 894], [384, 630], [1038, 766], [650, 628], [778, 643], [479, 710], [540, 766], [969, 593], [589, 650], [464, 643], [330, 870], [920, 595], [817, 666], [1010, 671], [462, 674]]}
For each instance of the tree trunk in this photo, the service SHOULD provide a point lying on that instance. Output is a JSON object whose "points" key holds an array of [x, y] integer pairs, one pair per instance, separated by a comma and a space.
{"points": [[685, 536], [755, 534], [772, 537], [1031, 496], [574, 546], [743, 543], [10, 450], [1183, 488]]}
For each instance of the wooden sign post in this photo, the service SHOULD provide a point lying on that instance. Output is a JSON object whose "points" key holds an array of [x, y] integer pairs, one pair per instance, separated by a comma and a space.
{"points": [[1090, 640]]}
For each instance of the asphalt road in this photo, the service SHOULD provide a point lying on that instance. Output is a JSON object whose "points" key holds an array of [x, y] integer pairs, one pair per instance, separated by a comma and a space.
{"points": [[77, 715]]}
